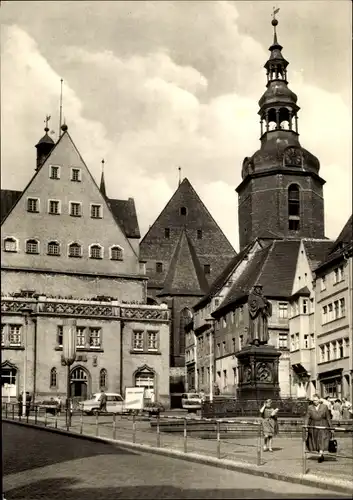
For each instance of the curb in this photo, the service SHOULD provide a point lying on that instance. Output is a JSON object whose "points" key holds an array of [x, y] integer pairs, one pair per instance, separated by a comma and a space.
{"points": [[306, 480]]}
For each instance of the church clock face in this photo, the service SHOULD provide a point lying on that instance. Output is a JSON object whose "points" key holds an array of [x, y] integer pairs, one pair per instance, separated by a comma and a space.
{"points": [[293, 157]]}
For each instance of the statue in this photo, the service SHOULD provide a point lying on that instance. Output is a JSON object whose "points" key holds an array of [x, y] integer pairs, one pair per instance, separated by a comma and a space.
{"points": [[260, 309]]}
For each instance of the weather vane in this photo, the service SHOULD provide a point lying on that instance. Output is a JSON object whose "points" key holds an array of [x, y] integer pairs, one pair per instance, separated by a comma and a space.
{"points": [[275, 11], [47, 118]]}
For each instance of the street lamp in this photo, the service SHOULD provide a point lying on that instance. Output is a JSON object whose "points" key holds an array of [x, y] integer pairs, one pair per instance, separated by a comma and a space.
{"points": [[211, 322], [26, 312], [68, 357]]}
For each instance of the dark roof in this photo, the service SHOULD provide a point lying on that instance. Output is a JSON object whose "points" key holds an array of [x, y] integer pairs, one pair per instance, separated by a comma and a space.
{"points": [[8, 200], [343, 243], [124, 212], [303, 292], [185, 275], [219, 282], [316, 251], [46, 139], [273, 267]]}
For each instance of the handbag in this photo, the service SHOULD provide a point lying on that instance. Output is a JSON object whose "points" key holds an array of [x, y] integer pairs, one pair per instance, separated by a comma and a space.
{"points": [[332, 446]]}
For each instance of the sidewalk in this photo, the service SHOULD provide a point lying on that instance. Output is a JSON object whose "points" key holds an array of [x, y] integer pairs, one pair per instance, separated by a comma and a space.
{"points": [[285, 462]]}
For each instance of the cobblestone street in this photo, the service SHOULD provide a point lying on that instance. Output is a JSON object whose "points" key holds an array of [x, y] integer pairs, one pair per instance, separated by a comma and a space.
{"points": [[42, 465]]}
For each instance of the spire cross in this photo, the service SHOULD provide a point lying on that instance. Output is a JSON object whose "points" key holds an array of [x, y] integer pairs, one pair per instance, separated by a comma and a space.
{"points": [[179, 169], [47, 118], [275, 11]]}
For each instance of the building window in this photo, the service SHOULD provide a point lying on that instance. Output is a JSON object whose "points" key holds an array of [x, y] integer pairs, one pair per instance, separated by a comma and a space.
{"points": [[167, 233], [138, 341], [340, 349], [346, 347], [116, 253], [241, 342], [334, 350], [207, 268], [199, 234], [306, 341], [54, 207], [159, 267], [336, 309], [322, 353], [59, 336], [218, 350], [330, 312], [225, 378], [338, 274], [15, 335], [342, 307], [75, 209], [283, 310], [305, 306], [183, 211], [95, 337], [54, 172], [53, 248], [328, 352], [216, 302], [75, 250], [296, 343], [2, 334], [224, 321], [53, 378], [283, 341], [33, 205], [103, 377], [76, 174], [80, 337], [96, 211], [224, 348], [32, 246], [233, 345], [324, 315], [234, 376], [152, 341], [96, 252], [312, 340], [10, 245], [323, 283], [294, 207]]}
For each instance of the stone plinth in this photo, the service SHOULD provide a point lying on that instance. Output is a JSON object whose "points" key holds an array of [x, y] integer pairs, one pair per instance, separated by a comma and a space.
{"points": [[258, 372]]}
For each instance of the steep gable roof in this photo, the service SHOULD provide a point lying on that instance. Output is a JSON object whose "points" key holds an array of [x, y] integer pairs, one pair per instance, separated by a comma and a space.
{"points": [[316, 250], [124, 211], [185, 275], [273, 267], [8, 200], [343, 243]]}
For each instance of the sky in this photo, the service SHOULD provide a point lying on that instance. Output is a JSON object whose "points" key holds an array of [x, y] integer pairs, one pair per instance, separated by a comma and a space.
{"points": [[151, 86]]}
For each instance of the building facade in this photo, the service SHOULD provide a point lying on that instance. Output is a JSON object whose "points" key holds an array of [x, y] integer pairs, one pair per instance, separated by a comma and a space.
{"points": [[70, 253]]}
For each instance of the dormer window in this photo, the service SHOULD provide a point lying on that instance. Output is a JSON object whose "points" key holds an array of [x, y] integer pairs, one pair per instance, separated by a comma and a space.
{"points": [[96, 252], [207, 269], [54, 172], [10, 245], [76, 175], [159, 267], [199, 234], [33, 205], [183, 211]]}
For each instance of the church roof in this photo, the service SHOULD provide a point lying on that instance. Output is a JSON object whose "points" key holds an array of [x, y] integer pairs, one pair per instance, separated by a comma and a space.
{"points": [[316, 250], [185, 275], [273, 267]]}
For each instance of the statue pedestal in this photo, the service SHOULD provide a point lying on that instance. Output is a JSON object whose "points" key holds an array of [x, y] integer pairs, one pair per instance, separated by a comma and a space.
{"points": [[258, 372]]}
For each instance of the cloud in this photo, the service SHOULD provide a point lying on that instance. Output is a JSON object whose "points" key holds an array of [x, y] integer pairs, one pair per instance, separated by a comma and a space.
{"points": [[191, 102]]}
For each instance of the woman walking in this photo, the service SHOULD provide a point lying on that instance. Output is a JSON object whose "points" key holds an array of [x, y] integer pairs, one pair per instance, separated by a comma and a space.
{"points": [[337, 410], [318, 415], [269, 423]]}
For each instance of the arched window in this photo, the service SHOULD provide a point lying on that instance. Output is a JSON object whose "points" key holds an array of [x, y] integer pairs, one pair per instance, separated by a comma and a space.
{"points": [[116, 253], [96, 252], [53, 248], [103, 379], [185, 318], [75, 250], [293, 207], [53, 377], [32, 246], [10, 245]]}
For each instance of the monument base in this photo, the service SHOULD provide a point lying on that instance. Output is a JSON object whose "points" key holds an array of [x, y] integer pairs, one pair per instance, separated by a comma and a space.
{"points": [[258, 373]]}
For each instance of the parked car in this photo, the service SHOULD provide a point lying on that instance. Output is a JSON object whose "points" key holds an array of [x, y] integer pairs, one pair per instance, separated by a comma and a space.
{"points": [[191, 401], [153, 408], [115, 403]]}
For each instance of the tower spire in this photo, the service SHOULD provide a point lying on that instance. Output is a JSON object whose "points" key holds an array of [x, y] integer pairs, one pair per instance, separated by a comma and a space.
{"points": [[45, 145], [274, 23], [179, 170], [102, 184]]}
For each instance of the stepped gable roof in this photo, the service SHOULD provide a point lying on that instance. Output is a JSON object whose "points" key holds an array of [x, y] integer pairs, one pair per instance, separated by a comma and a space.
{"points": [[9, 198], [316, 251], [343, 244], [218, 283], [185, 275], [273, 267], [124, 212]]}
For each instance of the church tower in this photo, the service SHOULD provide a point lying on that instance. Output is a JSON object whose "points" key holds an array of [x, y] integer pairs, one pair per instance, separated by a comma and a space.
{"points": [[281, 193]]}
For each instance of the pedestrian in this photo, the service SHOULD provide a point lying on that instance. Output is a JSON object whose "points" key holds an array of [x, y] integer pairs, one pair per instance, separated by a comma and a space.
{"points": [[326, 401], [269, 423], [58, 404], [20, 403], [28, 403], [318, 415], [103, 401], [337, 410], [346, 407]]}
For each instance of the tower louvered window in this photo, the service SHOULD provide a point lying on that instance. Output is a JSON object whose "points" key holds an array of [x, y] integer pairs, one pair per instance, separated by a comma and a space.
{"points": [[293, 208]]}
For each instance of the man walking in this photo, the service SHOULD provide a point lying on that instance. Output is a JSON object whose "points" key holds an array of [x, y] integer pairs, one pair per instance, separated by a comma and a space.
{"points": [[103, 401]]}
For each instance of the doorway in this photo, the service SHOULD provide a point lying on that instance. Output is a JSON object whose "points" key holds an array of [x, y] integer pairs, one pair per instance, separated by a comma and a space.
{"points": [[79, 383]]}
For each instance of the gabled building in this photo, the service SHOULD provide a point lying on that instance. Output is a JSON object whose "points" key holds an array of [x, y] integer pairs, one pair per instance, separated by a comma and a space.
{"points": [[185, 251], [333, 318], [70, 253]]}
